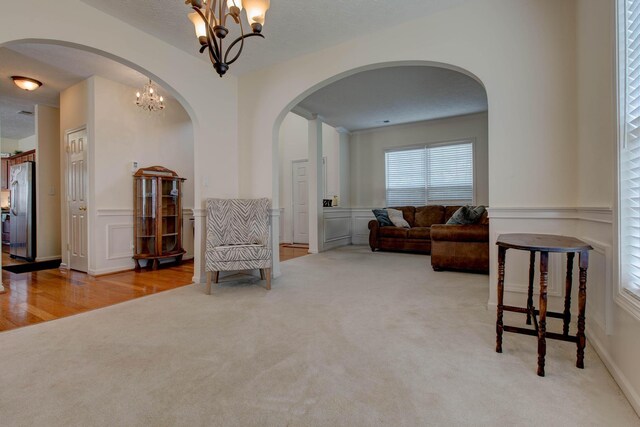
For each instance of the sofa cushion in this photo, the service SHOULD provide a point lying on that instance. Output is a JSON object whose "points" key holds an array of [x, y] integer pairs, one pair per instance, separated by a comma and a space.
{"points": [[448, 212], [408, 212], [484, 219], [383, 217], [395, 232], [428, 215], [467, 215], [460, 233], [397, 218], [423, 233]]}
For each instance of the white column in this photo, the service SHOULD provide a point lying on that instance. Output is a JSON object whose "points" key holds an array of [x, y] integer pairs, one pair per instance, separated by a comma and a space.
{"points": [[345, 170], [315, 186]]}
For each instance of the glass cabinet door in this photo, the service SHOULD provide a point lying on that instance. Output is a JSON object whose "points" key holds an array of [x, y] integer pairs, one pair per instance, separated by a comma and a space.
{"points": [[146, 216], [170, 215]]}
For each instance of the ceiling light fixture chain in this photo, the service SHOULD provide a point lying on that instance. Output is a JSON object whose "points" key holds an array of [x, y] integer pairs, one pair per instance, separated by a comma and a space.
{"points": [[211, 29]]}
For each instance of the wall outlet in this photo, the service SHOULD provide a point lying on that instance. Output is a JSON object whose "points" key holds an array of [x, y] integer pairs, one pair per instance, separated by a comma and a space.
{"points": [[134, 166]]}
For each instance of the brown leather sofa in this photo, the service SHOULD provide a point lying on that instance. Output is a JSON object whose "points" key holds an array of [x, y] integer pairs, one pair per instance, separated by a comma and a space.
{"points": [[461, 247], [452, 247]]}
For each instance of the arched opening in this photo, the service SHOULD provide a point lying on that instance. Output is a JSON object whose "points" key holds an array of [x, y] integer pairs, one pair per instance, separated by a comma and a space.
{"points": [[90, 96], [297, 105]]}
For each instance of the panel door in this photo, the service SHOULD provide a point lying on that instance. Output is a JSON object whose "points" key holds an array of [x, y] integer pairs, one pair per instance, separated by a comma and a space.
{"points": [[301, 202], [77, 200]]}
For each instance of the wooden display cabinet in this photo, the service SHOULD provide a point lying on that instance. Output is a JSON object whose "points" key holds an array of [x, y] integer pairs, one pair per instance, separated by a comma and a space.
{"points": [[157, 222]]}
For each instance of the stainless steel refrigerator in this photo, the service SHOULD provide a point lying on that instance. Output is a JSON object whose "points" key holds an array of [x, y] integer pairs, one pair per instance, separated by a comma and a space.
{"points": [[23, 211]]}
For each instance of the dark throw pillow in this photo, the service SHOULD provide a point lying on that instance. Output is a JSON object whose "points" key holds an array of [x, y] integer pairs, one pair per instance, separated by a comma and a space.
{"points": [[467, 215], [383, 217]]}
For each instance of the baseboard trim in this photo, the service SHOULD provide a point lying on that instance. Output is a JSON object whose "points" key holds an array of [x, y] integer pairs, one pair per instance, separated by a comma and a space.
{"points": [[629, 392], [49, 258], [112, 270]]}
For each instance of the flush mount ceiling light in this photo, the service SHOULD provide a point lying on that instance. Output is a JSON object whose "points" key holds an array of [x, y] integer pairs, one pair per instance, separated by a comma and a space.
{"points": [[209, 18], [150, 99], [26, 83]]}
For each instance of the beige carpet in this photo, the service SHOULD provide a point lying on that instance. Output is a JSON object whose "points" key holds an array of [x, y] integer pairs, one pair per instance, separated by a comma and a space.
{"points": [[345, 338]]}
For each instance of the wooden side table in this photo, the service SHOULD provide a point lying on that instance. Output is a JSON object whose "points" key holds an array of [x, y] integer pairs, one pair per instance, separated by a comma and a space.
{"points": [[545, 243]]}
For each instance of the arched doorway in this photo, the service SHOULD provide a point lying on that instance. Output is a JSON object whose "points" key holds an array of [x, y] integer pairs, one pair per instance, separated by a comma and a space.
{"points": [[334, 81], [99, 96]]}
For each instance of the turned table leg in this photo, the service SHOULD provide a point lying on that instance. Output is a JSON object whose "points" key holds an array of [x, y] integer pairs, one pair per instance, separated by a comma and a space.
{"points": [[532, 272], [567, 297], [542, 322], [582, 305], [499, 325]]}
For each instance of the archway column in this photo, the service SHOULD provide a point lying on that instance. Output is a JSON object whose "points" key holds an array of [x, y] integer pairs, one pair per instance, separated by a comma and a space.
{"points": [[316, 232]]}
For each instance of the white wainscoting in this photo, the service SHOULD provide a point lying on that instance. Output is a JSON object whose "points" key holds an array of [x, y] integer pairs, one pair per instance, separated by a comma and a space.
{"points": [[360, 218], [549, 221], [337, 227], [114, 227]]}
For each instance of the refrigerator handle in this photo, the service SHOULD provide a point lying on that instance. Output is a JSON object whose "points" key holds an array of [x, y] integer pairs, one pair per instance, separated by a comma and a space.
{"points": [[14, 184]]}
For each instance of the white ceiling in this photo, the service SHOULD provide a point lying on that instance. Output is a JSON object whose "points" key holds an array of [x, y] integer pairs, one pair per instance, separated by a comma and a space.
{"points": [[57, 67], [398, 94], [292, 27]]}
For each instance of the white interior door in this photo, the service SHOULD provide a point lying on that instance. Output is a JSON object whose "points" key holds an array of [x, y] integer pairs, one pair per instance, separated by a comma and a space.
{"points": [[301, 202], [77, 199]]}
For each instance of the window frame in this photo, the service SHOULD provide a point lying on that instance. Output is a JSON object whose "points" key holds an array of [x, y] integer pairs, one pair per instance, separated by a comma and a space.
{"points": [[625, 296], [470, 140]]}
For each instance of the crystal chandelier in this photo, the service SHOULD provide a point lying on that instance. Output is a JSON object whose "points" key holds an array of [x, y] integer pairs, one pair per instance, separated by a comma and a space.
{"points": [[150, 99], [209, 18]]}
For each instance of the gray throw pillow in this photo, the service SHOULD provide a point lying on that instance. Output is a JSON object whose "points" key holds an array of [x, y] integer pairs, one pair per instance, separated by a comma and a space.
{"points": [[383, 217], [466, 215]]}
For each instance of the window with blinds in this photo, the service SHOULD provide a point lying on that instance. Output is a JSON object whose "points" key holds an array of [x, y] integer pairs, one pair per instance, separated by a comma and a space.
{"points": [[629, 156], [438, 174]]}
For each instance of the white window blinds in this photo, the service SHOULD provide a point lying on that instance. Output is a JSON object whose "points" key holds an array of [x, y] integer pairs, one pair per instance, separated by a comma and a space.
{"points": [[440, 174], [630, 148], [406, 171], [450, 174]]}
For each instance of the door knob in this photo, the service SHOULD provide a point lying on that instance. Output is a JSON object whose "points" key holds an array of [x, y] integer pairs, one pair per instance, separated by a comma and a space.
{"points": [[83, 208]]}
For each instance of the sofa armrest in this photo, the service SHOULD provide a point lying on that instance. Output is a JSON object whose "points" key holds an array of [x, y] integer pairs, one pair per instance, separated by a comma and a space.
{"points": [[374, 226], [460, 233]]}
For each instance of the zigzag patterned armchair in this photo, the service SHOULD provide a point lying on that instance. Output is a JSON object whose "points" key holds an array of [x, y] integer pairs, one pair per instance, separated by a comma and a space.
{"points": [[238, 237]]}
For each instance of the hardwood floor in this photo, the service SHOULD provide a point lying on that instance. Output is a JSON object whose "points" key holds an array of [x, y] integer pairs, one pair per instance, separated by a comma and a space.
{"points": [[7, 260], [50, 294], [288, 252]]}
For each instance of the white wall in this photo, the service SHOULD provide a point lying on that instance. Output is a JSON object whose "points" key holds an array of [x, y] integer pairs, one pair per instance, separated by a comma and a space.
{"points": [[294, 145], [28, 143], [8, 145], [368, 154], [48, 194], [122, 134]]}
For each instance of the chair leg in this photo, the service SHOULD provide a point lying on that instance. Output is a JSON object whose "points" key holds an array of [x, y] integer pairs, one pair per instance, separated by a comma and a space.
{"points": [[267, 272], [208, 287], [262, 274], [216, 276]]}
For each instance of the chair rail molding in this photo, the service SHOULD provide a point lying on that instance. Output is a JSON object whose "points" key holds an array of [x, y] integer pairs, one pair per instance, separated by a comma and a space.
{"points": [[592, 214]]}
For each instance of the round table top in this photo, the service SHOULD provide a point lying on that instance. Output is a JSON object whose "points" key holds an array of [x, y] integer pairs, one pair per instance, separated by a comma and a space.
{"points": [[542, 242]]}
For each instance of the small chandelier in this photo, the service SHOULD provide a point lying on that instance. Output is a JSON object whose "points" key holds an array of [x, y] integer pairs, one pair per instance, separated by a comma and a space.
{"points": [[209, 18], [150, 99]]}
